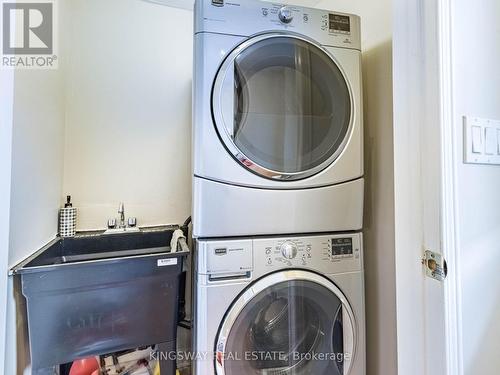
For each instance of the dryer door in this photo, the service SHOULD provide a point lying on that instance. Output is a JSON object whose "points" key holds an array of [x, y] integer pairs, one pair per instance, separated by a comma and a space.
{"points": [[290, 322], [282, 106]]}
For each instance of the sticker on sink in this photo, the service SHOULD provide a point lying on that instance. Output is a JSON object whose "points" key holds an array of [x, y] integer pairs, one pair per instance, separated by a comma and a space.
{"points": [[166, 262]]}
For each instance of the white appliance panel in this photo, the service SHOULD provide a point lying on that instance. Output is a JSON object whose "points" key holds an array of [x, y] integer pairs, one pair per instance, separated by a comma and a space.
{"points": [[227, 210]]}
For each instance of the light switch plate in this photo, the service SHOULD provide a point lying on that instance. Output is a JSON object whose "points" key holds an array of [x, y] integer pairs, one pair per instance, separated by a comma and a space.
{"points": [[481, 141]]}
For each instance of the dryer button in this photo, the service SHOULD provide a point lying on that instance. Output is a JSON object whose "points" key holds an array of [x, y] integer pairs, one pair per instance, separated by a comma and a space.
{"points": [[285, 15]]}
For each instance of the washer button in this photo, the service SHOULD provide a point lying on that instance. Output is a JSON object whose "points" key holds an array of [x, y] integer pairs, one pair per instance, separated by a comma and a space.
{"points": [[289, 250]]}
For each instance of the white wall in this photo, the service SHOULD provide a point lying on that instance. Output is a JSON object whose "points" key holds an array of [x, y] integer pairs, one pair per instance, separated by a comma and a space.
{"points": [[379, 220], [117, 114], [476, 46], [128, 111], [37, 160], [36, 181], [37, 157]]}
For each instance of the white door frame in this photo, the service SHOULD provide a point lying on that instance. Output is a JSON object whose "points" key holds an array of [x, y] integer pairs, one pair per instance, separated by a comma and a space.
{"points": [[425, 156], [451, 156]]}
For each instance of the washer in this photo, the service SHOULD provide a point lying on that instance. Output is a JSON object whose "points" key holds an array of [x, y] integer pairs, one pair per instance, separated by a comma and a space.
{"points": [[287, 305], [277, 121]]}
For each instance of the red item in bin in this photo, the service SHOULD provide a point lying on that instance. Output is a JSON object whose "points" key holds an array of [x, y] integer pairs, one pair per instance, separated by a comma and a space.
{"points": [[85, 366]]}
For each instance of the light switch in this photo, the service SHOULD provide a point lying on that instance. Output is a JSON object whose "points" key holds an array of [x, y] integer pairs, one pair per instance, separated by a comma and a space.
{"points": [[498, 141], [477, 140], [490, 141]]}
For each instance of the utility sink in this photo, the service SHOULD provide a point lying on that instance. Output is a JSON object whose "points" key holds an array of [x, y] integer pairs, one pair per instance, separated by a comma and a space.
{"points": [[97, 246], [95, 294]]}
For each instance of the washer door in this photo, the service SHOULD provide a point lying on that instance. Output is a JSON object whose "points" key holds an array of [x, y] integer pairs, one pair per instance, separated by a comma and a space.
{"points": [[282, 106], [290, 322]]}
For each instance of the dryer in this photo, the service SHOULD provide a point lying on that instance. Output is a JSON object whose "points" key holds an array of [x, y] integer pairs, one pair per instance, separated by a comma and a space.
{"points": [[277, 120], [280, 305]]}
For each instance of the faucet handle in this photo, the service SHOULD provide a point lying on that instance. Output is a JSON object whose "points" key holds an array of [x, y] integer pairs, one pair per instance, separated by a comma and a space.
{"points": [[132, 222], [121, 208], [112, 223]]}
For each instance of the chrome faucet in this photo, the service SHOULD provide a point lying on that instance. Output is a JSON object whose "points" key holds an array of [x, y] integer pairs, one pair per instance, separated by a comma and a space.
{"points": [[121, 211], [123, 226]]}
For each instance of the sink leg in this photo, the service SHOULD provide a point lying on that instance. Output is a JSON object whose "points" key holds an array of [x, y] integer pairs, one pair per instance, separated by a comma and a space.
{"points": [[167, 365]]}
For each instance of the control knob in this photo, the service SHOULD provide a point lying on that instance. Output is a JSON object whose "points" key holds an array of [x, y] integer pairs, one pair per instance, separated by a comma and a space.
{"points": [[285, 15], [289, 250]]}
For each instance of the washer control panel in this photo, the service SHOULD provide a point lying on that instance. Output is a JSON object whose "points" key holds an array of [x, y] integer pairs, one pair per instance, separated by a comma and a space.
{"points": [[327, 254], [324, 253]]}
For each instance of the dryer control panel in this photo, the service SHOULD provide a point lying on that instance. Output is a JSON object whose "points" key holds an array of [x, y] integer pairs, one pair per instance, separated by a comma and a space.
{"points": [[327, 254], [250, 17]]}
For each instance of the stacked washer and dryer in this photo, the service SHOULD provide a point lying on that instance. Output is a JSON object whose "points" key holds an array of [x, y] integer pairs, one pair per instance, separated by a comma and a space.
{"points": [[277, 190]]}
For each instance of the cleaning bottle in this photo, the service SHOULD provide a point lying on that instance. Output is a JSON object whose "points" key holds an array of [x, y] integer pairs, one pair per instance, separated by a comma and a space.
{"points": [[67, 219]]}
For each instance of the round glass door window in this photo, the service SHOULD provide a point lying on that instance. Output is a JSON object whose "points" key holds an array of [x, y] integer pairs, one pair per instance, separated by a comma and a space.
{"points": [[282, 106], [296, 326]]}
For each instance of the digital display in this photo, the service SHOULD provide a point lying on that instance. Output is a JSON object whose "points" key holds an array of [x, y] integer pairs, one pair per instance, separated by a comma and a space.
{"points": [[339, 23], [342, 246]]}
